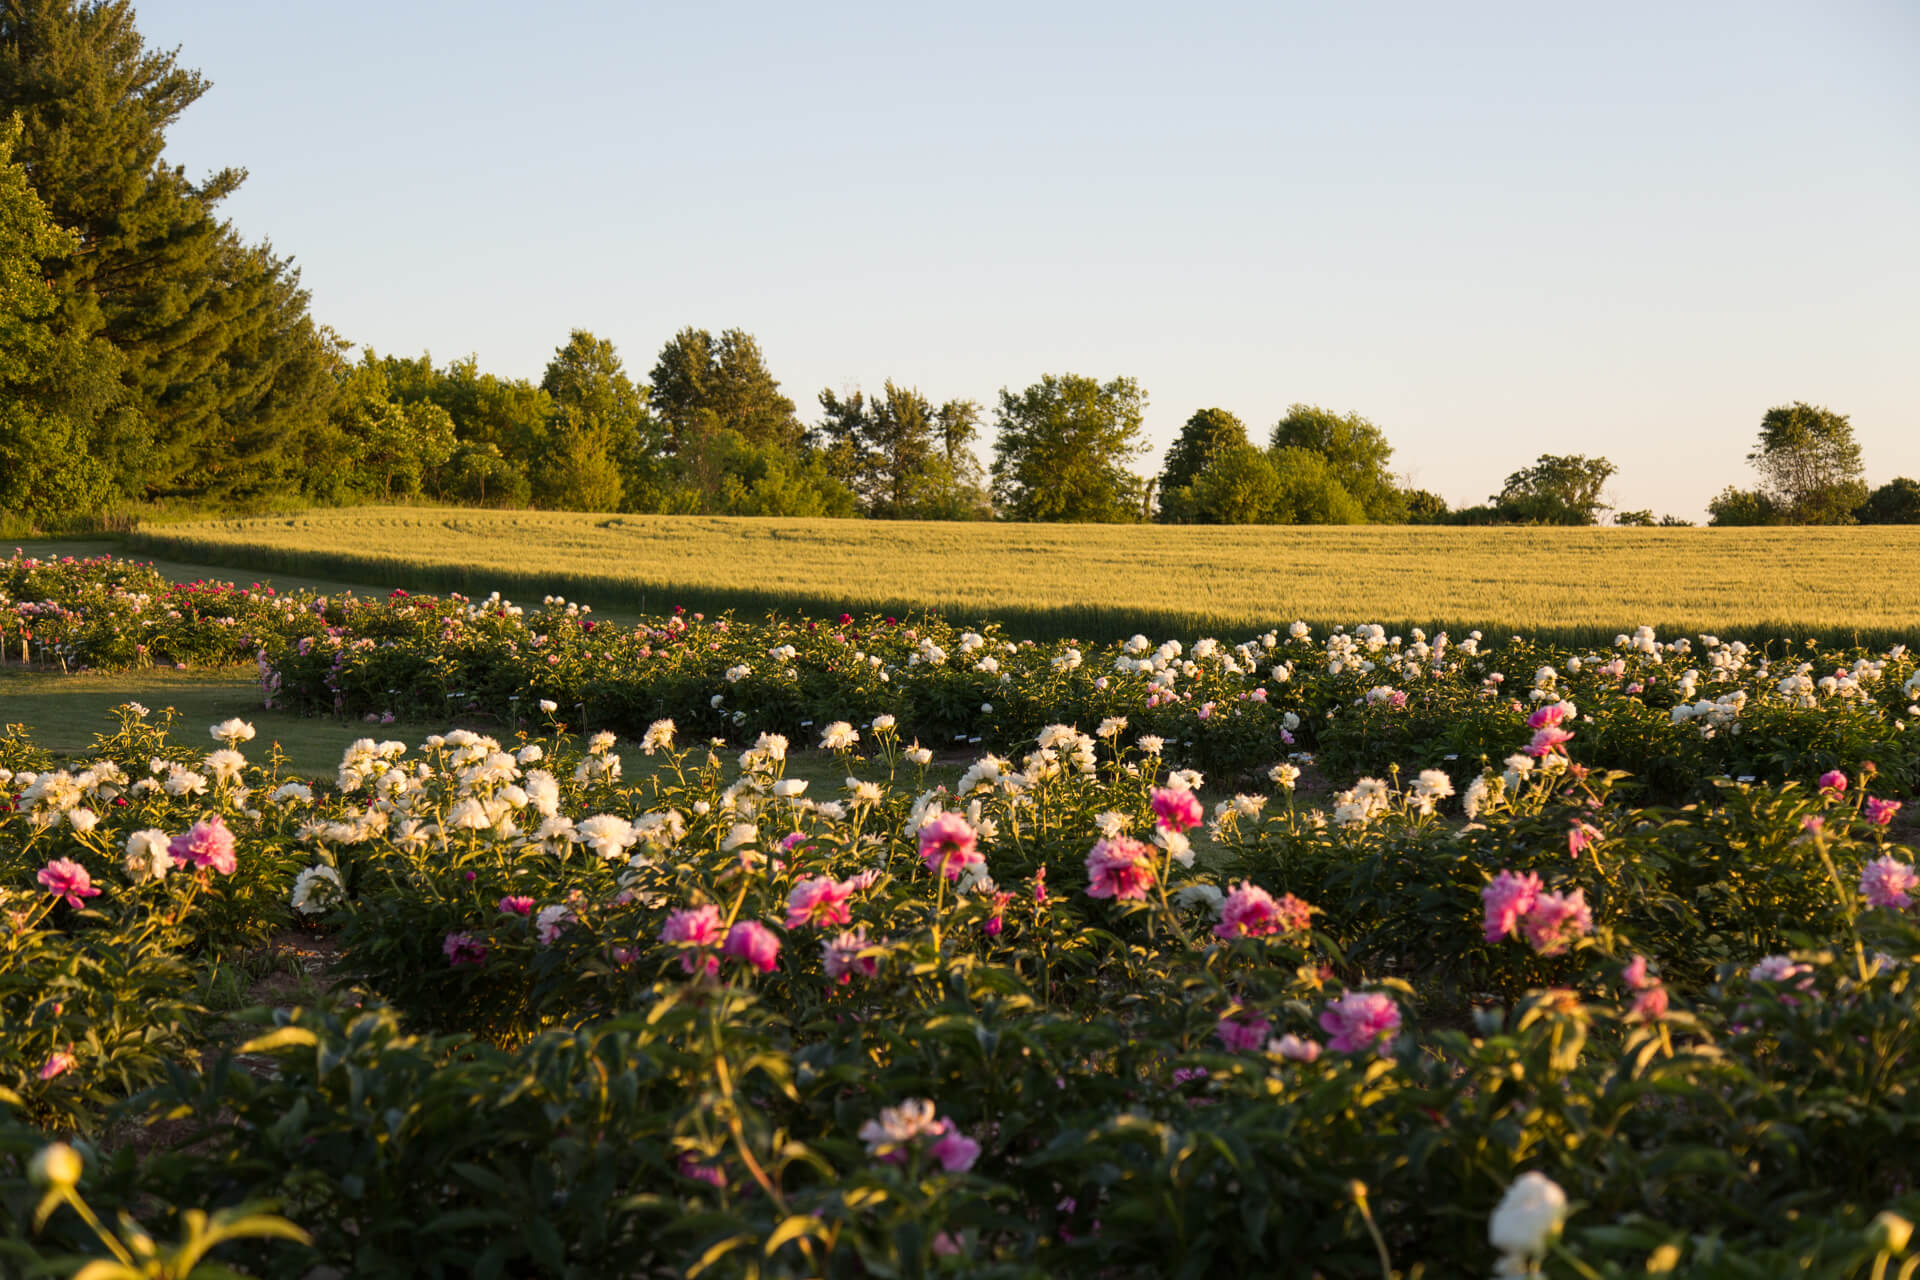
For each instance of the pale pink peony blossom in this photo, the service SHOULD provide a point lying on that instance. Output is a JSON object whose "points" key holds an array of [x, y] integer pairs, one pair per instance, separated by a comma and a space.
{"points": [[819, 901], [840, 956], [1251, 912], [1360, 1021], [1548, 741], [1507, 899], [208, 844], [1119, 868], [1556, 920], [1242, 1031], [1295, 1048], [1885, 883]]}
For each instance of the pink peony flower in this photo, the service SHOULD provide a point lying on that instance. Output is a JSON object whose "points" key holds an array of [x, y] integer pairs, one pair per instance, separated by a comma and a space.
{"points": [[1040, 885], [947, 845], [1880, 812], [1833, 782], [1361, 1020], [1242, 1031], [820, 902], [58, 1063], [1548, 741], [1650, 1005], [955, 1151], [693, 928], [1580, 837], [1556, 920], [66, 879], [1177, 809], [1251, 912], [840, 956], [1884, 882], [997, 921], [1119, 868], [208, 844], [516, 905], [754, 943], [1507, 899], [1635, 975], [1548, 717], [1295, 1049], [463, 949], [1813, 824]]}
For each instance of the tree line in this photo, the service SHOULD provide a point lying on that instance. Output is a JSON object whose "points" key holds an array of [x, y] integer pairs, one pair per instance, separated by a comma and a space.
{"points": [[149, 351]]}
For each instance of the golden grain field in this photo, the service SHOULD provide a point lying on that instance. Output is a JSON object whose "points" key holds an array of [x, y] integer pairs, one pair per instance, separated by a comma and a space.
{"points": [[1101, 580]]}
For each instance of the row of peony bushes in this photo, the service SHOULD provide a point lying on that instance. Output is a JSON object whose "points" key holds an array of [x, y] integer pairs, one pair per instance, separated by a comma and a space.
{"points": [[1674, 714], [697, 1018]]}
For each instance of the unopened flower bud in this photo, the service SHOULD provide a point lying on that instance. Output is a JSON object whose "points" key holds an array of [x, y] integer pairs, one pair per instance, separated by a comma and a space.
{"points": [[58, 1165], [1889, 1232]]}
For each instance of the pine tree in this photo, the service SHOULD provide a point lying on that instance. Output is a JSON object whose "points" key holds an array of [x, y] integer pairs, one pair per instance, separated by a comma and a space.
{"points": [[218, 357]]}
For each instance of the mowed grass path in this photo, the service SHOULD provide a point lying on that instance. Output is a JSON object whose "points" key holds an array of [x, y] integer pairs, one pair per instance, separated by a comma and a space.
{"points": [[1102, 581]]}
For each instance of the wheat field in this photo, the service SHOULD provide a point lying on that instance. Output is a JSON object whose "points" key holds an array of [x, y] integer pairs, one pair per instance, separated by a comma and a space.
{"points": [[1101, 581]]}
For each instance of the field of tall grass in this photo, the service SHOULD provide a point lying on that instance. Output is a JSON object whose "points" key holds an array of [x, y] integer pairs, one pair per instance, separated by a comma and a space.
{"points": [[1571, 585]]}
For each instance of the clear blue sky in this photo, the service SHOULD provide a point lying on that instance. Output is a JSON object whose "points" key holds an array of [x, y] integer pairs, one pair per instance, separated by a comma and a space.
{"points": [[1496, 230]]}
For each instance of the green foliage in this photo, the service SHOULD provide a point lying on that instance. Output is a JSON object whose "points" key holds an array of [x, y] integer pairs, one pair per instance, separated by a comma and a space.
{"points": [[1203, 438], [1745, 508], [220, 368], [1895, 502], [1355, 452], [1556, 489], [902, 458], [700, 385], [1425, 507], [599, 438], [1065, 447], [1810, 464]]}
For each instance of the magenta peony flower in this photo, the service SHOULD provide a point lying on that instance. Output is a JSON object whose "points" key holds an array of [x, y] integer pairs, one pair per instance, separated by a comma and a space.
{"points": [[947, 845], [1833, 782], [1581, 837], [463, 949], [1242, 1031], [694, 927], [66, 879], [1884, 882], [1880, 812], [1650, 1005], [208, 844], [955, 1151], [1635, 975], [1556, 920], [754, 943], [516, 905], [1119, 868], [1361, 1020], [1177, 809], [820, 902], [1548, 717], [1507, 899], [58, 1063]]}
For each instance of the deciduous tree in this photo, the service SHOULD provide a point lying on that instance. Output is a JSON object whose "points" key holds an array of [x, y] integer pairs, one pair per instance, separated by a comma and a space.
{"points": [[1065, 448], [1810, 463]]}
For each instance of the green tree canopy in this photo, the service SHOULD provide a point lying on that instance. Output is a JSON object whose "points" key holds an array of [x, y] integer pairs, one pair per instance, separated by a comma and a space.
{"points": [[898, 453], [701, 385], [599, 435], [1203, 437], [55, 388], [1356, 453], [1065, 447], [1895, 502], [1810, 464], [1556, 489], [217, 355]]}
